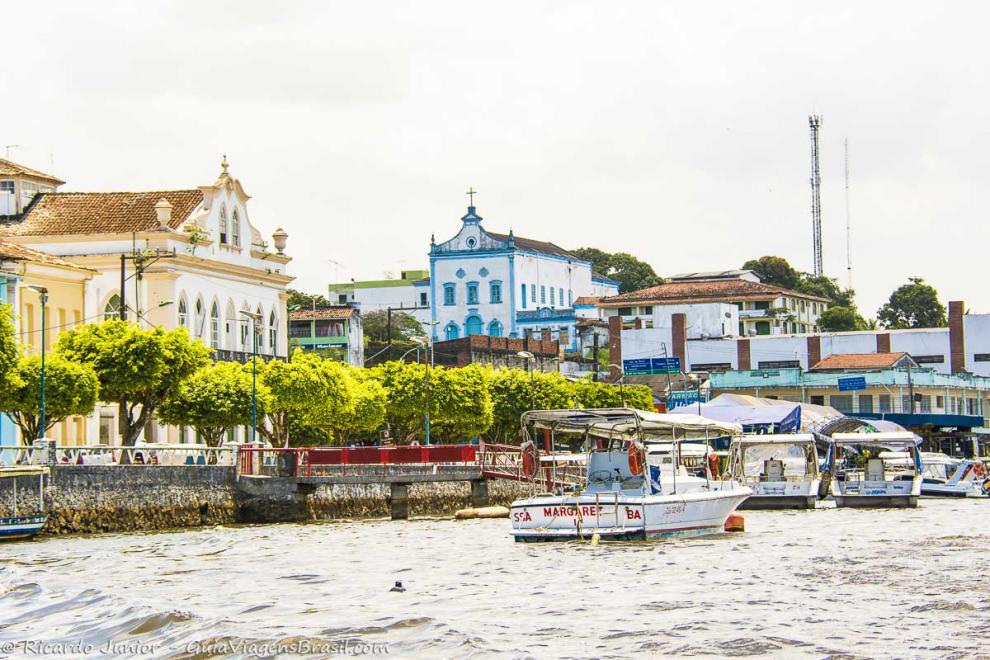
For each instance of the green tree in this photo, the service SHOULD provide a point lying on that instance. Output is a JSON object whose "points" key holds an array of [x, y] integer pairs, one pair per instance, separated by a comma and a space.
{"points": [[405, 387], [9, 349], [366, 414], [71, 389], [774, 270], [136, 367], [513, 394], [460, 403], [608, 395], [214, 399], [305, 300], [913, 305], [631, 273], [841, 319], [307, 390], [404, 326]]}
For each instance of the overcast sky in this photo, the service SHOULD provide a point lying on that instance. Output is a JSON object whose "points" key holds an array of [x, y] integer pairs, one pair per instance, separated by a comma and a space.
{"points": [[674, 131]]}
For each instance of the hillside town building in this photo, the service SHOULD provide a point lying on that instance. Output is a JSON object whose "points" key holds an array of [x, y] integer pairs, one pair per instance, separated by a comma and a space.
{"points": [[409, 293], [337, 328]]}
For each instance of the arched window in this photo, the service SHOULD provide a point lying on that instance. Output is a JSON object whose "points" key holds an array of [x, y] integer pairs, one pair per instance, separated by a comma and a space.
{"points": [[494, 329], [451, 332], [215, 325], [183, 313], [224, 228], [472, 293], [235, 230], [199, 318], [259, 328], [273, 333], [245, 322], [473, 326], [230, 327], [112, 310]]}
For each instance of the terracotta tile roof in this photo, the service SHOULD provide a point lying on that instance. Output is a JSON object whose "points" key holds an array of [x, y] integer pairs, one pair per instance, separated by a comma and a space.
{"points": [[859, 361], [321, 314], [98, 213], [542, 247], [598, 276], [15, 252], [587, 300], [706, 291], [9, 168]]}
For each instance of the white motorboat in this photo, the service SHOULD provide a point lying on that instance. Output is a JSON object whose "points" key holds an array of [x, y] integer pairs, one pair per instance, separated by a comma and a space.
{"points": [[945, 476], [628, 493], [21, 524], [781, 470], [862, 478]]}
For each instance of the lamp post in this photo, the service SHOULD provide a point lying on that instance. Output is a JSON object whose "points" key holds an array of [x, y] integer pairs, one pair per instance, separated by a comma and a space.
{"points": [[621, 381], [43, 293], [530, 358], [255, 319]]}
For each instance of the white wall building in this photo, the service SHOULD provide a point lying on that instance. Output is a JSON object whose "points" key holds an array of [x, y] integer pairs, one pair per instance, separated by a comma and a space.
{"points": [[483, 283], [201, 262], [410, 292]]}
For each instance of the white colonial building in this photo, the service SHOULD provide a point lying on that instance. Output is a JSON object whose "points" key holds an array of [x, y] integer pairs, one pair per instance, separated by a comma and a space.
{"points": [[484, 283], [190, 258]]}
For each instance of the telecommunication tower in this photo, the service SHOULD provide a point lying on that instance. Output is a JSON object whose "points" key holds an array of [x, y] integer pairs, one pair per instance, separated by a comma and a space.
{"points": [[849, 254], [815, 122]]}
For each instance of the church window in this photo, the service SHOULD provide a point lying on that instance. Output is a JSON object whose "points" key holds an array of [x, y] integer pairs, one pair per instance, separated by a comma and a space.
{"points": [[473, 326], [494, 329], [524, 296], [570, 298], [215, 326], [448, 294], [560, 296], [472, 293], [532, 292], [183, 313], [112, 309], [235, 229], [471, 243], [273, 333], [223, 224], [543, 295], [496, 292], [200, 317], [451, 332], [552, 296]]}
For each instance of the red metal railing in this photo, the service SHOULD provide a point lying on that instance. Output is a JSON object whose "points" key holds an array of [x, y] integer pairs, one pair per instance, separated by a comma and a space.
{"points": [[299, 461]]}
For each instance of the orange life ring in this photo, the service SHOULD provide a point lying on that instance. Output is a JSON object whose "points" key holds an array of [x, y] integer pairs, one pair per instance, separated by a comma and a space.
{"points": [[637, 458], [713, 464], [979, 470], [530, 459]]}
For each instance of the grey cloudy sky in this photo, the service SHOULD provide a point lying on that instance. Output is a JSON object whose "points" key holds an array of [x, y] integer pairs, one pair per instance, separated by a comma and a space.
{"points": [[677, 132]]}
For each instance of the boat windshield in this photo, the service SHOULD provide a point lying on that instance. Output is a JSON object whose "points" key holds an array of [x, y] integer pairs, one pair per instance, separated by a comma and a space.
{"points": [[792, 458]]}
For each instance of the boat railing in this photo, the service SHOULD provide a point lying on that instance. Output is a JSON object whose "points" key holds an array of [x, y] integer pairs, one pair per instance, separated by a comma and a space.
{"points": [[550, 470]]}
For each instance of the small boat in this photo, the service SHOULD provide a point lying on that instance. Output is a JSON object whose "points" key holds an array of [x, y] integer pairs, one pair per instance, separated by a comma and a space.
{"points": [[20, 525], [862, 478], [945, 476], [627, 493], [781, 470]]}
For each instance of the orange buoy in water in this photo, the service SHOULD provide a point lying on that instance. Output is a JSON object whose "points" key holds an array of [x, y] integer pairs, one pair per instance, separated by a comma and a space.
{"points": [[735, 523]]}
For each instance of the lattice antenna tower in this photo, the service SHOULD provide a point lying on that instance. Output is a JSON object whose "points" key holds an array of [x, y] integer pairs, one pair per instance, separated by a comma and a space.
{"points": [[849, 254], [815, 122]]}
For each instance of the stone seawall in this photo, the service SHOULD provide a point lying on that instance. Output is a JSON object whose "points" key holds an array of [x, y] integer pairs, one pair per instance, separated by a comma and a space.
{"points": [[123, 498]]}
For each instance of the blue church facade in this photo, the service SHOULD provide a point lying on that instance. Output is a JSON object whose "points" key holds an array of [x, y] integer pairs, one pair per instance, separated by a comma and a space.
{"points": [[486, 283]]}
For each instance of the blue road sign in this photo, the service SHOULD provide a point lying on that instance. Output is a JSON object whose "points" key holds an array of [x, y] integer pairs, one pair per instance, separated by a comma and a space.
{"points": [[852, 383], [641, 366]]}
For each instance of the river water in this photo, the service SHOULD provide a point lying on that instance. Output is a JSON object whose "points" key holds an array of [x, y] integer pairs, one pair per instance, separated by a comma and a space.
{"points": [[826, 583]]}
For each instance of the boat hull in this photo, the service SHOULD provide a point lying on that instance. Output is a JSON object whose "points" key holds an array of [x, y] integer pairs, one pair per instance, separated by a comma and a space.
{"points": [[876, 501], [774, 502], [944, 490], [898, 493], [21, 527], [623, 516]]}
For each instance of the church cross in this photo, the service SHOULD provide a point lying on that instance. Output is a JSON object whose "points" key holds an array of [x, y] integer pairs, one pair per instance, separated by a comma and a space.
{"points": [[471, 193]]}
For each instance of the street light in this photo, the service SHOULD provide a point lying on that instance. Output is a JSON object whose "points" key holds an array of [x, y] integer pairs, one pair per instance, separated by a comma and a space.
{"points": [[43, 293], [255, 320], [530, 358], [622, 378]]}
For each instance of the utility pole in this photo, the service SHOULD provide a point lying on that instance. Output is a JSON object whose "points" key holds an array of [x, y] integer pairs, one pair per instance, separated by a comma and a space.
{"points": [[849, 254], [815, 122]]}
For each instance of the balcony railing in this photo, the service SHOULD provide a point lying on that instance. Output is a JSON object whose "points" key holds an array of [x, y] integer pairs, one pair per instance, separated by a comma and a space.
{"points": [[223, 355]]}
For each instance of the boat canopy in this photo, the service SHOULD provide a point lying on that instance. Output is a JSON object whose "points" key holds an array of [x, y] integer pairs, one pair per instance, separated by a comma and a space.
{"points": [[23, 471], [613, 422], [775, 439], [782, 418], [887, 440]]}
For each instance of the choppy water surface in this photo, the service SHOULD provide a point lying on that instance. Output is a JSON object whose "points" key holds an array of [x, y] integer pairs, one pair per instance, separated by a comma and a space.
{"points": [[839, 583]]}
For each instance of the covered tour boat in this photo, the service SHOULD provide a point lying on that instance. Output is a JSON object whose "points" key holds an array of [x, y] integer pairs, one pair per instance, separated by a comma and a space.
{"points": [[780, 469], [945, 476], [862, 478], [627, 491], [24, 523]]}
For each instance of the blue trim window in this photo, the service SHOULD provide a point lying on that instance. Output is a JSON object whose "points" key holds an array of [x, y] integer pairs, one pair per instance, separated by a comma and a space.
{"points": [[560, 296], [449, 297], [451, 332], [543, 295], [473, 326], [495, 289], [552, 295], [494, 329], [532, 292], [472, 293], [524, 296]]}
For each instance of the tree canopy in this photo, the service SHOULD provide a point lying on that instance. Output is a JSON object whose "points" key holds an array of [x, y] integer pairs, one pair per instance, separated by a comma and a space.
{"points": [[137, 367], [913, 305], [214, 399], [71, 389], [774, 270], [305, 300], [631, 273], [778, 272], [404, 326], [841, 319]]}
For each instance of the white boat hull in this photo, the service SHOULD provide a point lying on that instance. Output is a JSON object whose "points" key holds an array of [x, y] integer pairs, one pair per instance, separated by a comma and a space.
{"points": [[21, 527], [862, 494], [967, 489], [624, 515], [783, 495]]}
